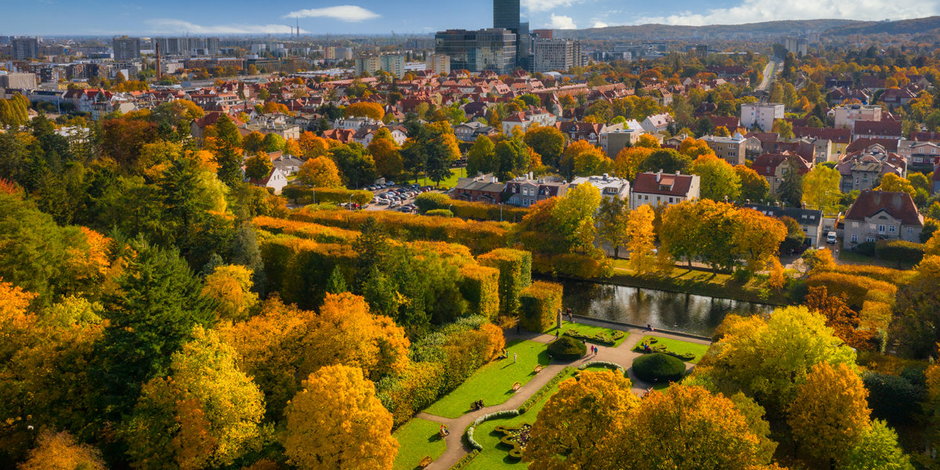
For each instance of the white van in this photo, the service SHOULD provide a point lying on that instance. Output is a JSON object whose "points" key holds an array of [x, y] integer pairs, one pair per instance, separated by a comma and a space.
{"points": [[831, 238]]}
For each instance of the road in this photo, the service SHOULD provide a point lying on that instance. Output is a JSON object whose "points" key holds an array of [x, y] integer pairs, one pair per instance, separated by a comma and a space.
{"points": [[769, 71]]}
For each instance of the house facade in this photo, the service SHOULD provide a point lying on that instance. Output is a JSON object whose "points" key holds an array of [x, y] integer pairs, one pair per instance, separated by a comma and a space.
{"points": [[610, 187], [482, 188], [882, 215], [811, 221], [525, 191], [664, 189]]}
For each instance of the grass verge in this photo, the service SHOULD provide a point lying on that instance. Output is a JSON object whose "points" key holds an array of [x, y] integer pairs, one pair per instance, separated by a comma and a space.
{"points": [[417, 439]]}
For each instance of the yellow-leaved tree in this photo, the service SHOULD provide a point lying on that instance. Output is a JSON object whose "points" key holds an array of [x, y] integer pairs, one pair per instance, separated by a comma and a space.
{"points": [[206, 413], [336, 421], [570, 430], [230, 285], [320, 172], [640, 237], [685, 427], [829, 414]]}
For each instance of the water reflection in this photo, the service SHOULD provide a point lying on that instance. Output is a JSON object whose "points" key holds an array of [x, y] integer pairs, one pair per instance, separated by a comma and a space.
{"points": [[686, 313]]}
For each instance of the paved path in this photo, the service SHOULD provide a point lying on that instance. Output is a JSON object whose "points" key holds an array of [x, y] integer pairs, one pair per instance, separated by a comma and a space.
{"points": [[622, 355]]}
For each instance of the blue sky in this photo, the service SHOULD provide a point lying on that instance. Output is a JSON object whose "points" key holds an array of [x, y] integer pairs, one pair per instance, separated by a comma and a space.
{"points": [[218, 17]]}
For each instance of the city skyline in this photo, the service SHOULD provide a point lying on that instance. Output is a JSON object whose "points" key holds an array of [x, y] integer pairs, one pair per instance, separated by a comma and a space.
{"points": [[279, 17]]}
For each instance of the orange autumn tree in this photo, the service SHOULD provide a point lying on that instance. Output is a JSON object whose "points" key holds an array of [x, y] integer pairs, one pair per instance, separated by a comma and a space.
{"points": [[365, 109], [346, 332], [61, 450], [628, 161], [311, 146], [336, 421], [695, 148], [839, 316], [320, 172]]}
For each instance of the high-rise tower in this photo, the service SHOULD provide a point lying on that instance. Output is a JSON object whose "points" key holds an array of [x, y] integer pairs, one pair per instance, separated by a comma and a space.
{"points": [[506, 14]]}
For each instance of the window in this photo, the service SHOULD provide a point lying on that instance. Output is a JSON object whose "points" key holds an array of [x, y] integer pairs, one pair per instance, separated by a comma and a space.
{"points": [[869, 239], [892, 228], [854, 238], [881, 229]]}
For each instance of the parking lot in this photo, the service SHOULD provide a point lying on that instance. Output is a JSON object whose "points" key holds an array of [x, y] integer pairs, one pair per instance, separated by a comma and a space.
{"points": [[395, 197]]}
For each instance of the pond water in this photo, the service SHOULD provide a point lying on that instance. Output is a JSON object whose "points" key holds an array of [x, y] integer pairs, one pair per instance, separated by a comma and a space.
{"points": [[685, 313]]}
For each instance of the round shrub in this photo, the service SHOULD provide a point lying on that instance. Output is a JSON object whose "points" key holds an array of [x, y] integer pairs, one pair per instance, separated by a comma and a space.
{"points": [[440, 212], [567, 348], [658, 367]]}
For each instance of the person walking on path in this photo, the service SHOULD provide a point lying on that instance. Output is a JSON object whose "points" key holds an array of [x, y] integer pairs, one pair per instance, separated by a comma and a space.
{"points": [[514, 357]]}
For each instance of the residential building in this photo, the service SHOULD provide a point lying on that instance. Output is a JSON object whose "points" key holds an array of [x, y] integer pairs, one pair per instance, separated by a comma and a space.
{"points": [[863, 169], [480, 188], [469, 131], [760, 115], [839, 138], [368, 64], [664, 189], [22, 81], [477, 51], [25, 48], [556, 55], [731, 149], [610, 186], [657, 123], [777, 167], [882, 215], [936, 180], [275, 181], [614, 140], [438, 64], [845, 116], [126, 48], [525, 191], [393, 64], [796, 46], [525, 119], [810, 220], [921, 156], [877, 130]]}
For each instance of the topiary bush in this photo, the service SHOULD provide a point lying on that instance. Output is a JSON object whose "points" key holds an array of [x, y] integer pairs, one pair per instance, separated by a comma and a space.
{"points": [[567, 348], [658, 367]]}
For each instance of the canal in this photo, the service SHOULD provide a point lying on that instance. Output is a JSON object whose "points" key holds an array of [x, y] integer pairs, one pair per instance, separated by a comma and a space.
{"points": [[685, 313]]}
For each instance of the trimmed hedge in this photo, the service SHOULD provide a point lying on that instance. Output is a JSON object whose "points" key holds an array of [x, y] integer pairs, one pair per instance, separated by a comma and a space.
{"points": [[893, 276], [539, 306], [317, 232], [480, 286], [480, 237], [428, 202], [658, 367], [570, 265], [605, 339], [299, 268], [515, 274], [858, 289], [567, 348], [440, 213], [900, 251], [307, 195]]}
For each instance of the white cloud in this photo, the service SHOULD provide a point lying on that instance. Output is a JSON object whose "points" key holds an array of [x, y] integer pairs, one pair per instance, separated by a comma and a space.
{"points": [[545, 5], [561, 22], [599, 24], [167, 25], [348, 13], [752, 11]]}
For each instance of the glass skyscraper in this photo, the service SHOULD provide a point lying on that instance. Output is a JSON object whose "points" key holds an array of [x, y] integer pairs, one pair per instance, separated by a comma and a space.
{"points": [[506, 14]]}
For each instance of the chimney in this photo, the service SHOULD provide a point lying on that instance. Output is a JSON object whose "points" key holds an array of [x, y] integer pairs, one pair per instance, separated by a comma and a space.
{"points": [[659, 175], [677, 172]]}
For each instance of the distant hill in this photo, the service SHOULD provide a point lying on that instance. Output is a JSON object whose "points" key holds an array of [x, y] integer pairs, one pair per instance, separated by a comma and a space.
{"points": [[914, 26], [658, 32]]}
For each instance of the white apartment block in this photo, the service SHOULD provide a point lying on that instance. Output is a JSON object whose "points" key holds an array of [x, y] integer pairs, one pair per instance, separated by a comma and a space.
{"points": [[760, 115], [845, 116], [439, 64], [556, 55]]}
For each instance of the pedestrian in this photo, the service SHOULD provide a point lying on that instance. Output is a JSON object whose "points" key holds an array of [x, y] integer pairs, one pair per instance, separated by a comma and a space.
{"points": [[514, 357], [557, 332]]}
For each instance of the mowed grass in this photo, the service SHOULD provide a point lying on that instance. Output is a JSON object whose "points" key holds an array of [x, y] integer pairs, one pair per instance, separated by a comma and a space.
{"points": [[417, 439], [680, 347], [493, 382], [589, 329], [445, 183], [496, 455]]}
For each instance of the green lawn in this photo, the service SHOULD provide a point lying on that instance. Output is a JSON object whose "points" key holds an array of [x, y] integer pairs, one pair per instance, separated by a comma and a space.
{"points": [[493, 382], [447, 183], [589, 329], [680, 347], [417, 439], [496, 455]]}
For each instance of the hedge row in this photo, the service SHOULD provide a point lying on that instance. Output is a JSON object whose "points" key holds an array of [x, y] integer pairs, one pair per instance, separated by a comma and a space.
{"points": [[480, 287], [858, 289], [515, 274], [308, 195], [442, 361], [605, 339], [900, 251], [317, 232], [427, 202], [569, 265], [893, 276], [299, 268], [480, 237], [540, 304]]}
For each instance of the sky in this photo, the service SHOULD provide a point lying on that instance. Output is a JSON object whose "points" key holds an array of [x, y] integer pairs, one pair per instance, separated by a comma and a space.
{"points": [[239, 17]]}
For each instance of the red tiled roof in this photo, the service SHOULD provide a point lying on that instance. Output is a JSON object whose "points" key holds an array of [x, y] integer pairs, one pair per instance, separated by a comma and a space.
{"points": [[839, 136], [766, 164], [670, 184], [878, 128], [899, 205], [890, 145]]}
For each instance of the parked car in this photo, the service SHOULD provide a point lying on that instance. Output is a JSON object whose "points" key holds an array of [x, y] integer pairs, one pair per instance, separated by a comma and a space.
{"points": [[831, 238]]}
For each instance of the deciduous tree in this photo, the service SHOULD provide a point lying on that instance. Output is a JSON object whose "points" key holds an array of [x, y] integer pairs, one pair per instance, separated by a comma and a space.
{"points": [[258, 167], [548, 142], [640, 238], [230, 286], [821, 188], [61, 451], [336, 421], [719, 181], [320, 172], [754, 187]]}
